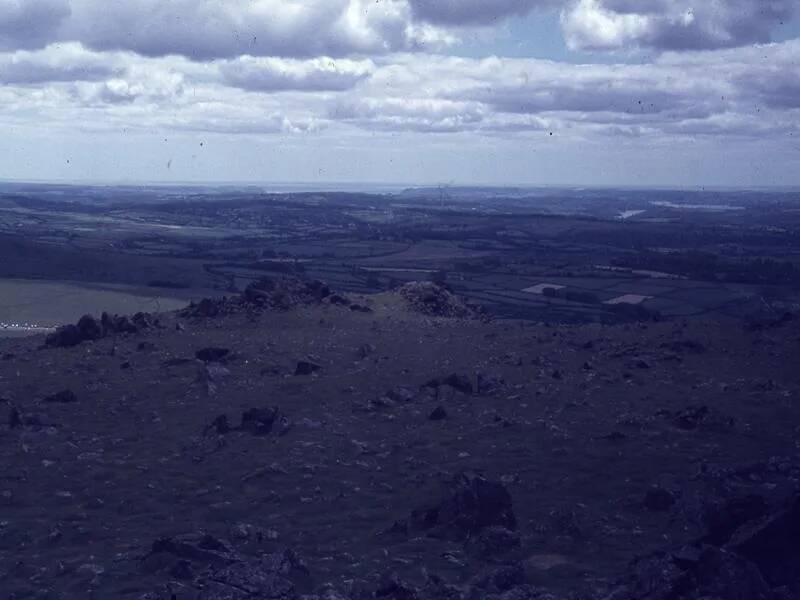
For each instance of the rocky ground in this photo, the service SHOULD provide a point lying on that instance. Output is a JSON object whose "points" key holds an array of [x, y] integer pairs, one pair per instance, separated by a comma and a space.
{"points": [[296, 443]]}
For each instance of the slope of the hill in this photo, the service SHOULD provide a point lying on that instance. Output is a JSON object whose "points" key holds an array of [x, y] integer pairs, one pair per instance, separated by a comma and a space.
{"points": [[386, 441]]}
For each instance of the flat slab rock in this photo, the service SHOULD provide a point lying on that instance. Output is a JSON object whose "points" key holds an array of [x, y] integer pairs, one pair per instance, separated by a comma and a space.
{"points": [[230, 577], [246, 581]]}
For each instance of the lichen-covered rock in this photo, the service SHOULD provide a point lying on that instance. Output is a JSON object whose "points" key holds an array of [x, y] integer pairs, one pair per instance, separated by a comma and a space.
{"points": [[470, 504], [89, 329], [493, 542], [435, 300], [709, 572], [772, 544]]}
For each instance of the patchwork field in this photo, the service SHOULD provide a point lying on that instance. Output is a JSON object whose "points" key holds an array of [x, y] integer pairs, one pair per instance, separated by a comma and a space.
{"points": [[561, 257]]}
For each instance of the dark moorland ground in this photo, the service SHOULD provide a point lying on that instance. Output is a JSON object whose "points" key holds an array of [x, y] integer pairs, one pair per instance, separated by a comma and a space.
{"points": [[395, 454]]}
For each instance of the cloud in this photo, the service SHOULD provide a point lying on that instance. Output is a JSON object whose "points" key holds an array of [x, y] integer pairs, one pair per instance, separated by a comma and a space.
{"points": [[70, 62], [270, 124], [156, 86], [204, 30], [209, 29], [597, 93], [429, 115], [275, 74], [746, 92], [602, 25], [703, 93], [26, 24], [474, 12]]}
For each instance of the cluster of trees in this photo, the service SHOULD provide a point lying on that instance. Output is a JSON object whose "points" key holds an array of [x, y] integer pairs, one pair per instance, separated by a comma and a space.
{"points": [[706, 266], [173, 285], [635, 312], [572, 295], [275, 266]]}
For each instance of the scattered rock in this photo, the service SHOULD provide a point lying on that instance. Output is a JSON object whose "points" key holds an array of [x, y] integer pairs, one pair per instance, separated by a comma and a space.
{"points": [[458, 382], [401, 394], [364, 350], [615, 436], [659, 499], [14, 418], [524, 592], [679, 346], [399, 527], [492, 542], [360, 308], [272, 469], [691, 417], [64, 337], [212, 354], [500, 579], [266, 294], [722, 519], [306, 368], [62, 397], [199, 547], [226, 576], [567, 523], [285, 425], [206, 308], [438, 414], [285, 293], [771, 543], [435, 300], [490, 384], [116, 324], [259, 421], [696, 416], [89, 329], [218, 426], [470, 504], [546, 562], [392, 587], [182, 570], [245, 581], [709, 572], [339, 300], [177, 362], [373, 405], [211, 375]]}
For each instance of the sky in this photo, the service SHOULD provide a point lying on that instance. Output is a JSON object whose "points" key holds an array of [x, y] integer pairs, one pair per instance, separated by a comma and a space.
{"points": [[680, 93]]}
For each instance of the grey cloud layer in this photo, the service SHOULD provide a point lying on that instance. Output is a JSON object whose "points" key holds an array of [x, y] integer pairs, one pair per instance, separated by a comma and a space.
{"points": [[299, 66], [208, 29], [66, 63], [672, 24], [273, 75], [30, 23], [717, 93], [474, 12], [750, 91]]}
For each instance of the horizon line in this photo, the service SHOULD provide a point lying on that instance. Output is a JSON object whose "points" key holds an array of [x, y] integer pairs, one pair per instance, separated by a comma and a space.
{"points": [[342, 186]]}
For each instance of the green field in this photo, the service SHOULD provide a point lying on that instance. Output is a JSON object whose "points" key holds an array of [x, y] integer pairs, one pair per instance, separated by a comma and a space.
{"points": [[28, 307]]}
